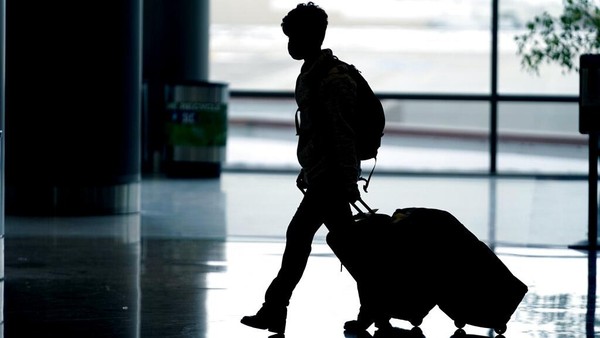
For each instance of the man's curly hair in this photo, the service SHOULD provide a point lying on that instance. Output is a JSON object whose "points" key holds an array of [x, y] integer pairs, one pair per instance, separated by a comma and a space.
{"points": [[306, 19]]}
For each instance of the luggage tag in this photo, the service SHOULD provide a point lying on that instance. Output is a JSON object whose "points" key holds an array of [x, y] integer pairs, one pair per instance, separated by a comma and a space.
{"points": [[399, 215]]}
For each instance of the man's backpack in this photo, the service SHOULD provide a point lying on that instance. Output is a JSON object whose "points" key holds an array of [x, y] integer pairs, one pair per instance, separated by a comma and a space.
{"points": [[369, 122]]}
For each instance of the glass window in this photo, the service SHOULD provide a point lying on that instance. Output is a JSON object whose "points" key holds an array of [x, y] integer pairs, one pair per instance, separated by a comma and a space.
{"points": [[261, 134], [512, 78], [400, 46], [435, 136], [541, 138], [420, 136], [409, 46]]}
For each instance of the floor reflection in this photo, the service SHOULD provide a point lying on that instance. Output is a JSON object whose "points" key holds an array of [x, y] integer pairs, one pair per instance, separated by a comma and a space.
{"points": [[108, 287], [165, 273], [590, 320], [69, 282], [175, 285]]}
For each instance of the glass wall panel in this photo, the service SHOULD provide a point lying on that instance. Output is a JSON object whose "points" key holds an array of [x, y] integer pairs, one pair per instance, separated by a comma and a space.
{"points": [[400, 46], [261, 134], [512, 77], [420, 136], [410, 46], [536, 137], [435, 136]]}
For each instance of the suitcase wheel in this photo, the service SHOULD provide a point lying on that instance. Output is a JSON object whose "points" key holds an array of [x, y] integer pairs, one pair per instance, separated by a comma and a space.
{"points": [[416, 322], [501, 329], [459, 333], [416, 332], [459, 324]]}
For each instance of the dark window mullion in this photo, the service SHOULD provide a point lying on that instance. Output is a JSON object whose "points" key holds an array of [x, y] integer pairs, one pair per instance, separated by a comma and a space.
{"points": [[494, 90]]}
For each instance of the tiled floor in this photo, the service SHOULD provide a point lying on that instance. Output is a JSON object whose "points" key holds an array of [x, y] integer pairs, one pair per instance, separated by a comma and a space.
{"points": [[202, 251]]}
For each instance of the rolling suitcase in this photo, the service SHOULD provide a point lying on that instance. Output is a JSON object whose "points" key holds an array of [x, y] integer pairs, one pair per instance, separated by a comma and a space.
{"points": [[474, 286], [392, 281]]}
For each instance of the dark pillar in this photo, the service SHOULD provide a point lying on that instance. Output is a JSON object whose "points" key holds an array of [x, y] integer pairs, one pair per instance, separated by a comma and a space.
{"points": [[73, 107], [176, 44], [2, 77], [176, 40]]}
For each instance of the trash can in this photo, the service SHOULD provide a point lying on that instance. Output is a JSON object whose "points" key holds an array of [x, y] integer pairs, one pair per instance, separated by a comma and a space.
{"points": [[196, 128]]}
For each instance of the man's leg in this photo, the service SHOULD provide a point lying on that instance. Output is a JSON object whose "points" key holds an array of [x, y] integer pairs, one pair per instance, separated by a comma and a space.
{"points": [[299, 237]]}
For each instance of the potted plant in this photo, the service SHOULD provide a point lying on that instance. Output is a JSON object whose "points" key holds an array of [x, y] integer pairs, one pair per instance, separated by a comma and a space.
{"points": [[561, 39]]}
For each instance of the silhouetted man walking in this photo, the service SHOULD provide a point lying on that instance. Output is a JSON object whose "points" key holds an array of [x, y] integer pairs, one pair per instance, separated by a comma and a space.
{"points": [[326, 97]]}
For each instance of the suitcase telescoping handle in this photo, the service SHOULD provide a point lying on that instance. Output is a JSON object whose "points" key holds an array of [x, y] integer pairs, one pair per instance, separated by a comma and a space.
{"points": [[353, 204], [364, 204]]}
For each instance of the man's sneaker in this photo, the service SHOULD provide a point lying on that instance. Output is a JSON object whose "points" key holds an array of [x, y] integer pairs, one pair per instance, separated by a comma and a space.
{"points": [[272, 319]]}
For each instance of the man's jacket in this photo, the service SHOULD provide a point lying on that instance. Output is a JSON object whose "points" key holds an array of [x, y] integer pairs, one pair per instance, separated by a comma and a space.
{"points": [[326, 96]]}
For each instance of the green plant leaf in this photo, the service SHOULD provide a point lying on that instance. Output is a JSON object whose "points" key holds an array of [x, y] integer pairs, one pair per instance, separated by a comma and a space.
{"points": [[560, 39]]}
